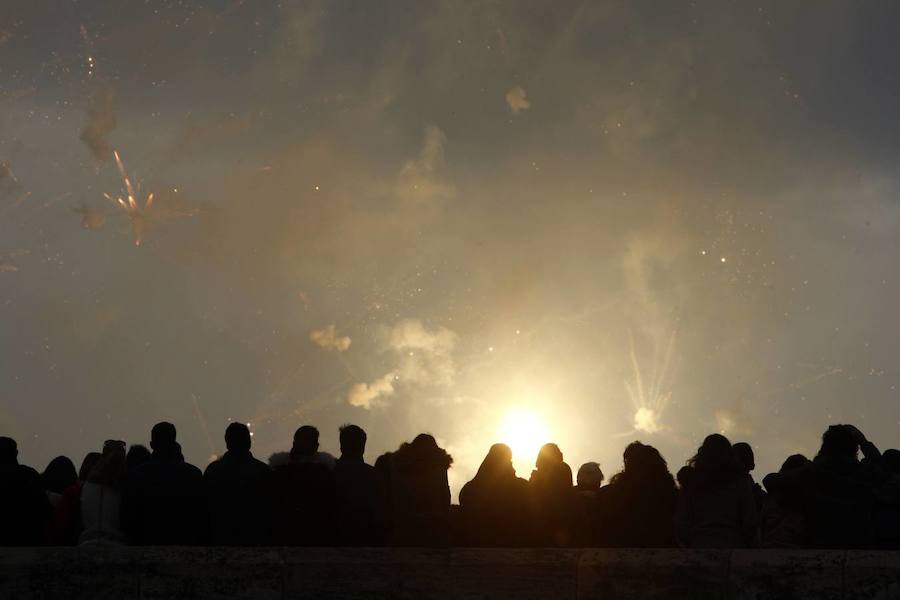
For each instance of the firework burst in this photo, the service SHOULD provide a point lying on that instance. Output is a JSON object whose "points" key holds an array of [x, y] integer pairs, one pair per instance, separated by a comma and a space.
{"points": [[130, 203]]}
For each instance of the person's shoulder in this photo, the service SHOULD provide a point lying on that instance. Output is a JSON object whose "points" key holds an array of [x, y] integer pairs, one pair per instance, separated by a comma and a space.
{"points": [[29, 476], [520, 483], [213, 468], [28, 472], [191, 470], [260, 465]]}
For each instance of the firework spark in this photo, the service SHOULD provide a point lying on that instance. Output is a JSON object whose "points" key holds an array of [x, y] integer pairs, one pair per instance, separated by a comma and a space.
{"points": [[649, 398], [129, 203]]}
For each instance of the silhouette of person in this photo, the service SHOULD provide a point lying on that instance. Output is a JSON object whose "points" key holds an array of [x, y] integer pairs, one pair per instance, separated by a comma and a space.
{"points": [[743, 454], [164, 499], [556, 506], [887, 503], [239, 493], [836, 491], [588, 485], [891, 459], [356, 485], [683, 477], [101, 498], [384, 503], [59, 474], [137, 455], [24, 507], [637, 508], [420, 493], [494, 505], [65, 523], [782, 521], [589, 478], [717, 508], [305, 495]]}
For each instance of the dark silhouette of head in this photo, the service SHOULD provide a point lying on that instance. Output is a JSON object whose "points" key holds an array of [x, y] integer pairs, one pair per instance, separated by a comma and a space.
{"points": [[306, 441], [353, 441], [685, 476], [110, 469], [425, 440], [743, 454], [549, 456], [237, 437], [497, 464], [136, 456], [794, 462], [644, 466], [87, 465], [891, 460], [839, 441], [644, 458], [589, 476], [59, 475], [383, 465], [715, 453], [714, 462], [9, 451], [162, 437], [113, 446], [421, 453]]}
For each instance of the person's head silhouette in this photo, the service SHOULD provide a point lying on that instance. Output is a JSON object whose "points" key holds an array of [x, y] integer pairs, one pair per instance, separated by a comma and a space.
{"points": [[589, 476], [136, 456], [793, 462], [839, 441], [306, 441], [685, 476], [715, 453], [59, 474], [9, 451], [353, 441], [743, 454], [162, 437], [425, 440], [237, 438], [549, 456], [87, 465], [497, 463], [891, 460]]}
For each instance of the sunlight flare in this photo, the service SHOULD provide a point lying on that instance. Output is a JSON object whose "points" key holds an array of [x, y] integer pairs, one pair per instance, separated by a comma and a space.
{"points": [[524, 432]]}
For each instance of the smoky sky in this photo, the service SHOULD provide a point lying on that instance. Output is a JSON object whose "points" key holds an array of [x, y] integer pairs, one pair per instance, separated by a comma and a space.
{"points": [[638, 221]]}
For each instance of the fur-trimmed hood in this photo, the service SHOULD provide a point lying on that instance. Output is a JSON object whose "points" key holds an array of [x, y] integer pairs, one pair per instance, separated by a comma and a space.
{"points": [[422, 454]]}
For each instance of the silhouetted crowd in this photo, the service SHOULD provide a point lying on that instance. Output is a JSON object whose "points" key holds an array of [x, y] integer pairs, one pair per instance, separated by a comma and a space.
{"points": [[308, 498]]}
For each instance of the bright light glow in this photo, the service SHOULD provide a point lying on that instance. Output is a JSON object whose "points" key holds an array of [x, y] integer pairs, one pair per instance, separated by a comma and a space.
{"points": [[524, 432], [646, 420]]}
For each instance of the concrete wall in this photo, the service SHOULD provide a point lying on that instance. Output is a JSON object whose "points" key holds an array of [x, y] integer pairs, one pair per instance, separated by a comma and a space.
{"points": [[282, 573]]}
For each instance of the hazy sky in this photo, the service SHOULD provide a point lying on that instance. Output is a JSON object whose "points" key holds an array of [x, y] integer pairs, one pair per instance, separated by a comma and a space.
{"points": [[622, 219]]}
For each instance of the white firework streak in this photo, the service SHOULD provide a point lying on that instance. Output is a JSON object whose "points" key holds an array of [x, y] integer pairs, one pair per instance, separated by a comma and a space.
{"points": [[648, 398]]}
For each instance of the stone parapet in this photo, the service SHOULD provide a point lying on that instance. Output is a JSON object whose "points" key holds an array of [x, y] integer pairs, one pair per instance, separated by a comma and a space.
{"points": [[132, 573]]}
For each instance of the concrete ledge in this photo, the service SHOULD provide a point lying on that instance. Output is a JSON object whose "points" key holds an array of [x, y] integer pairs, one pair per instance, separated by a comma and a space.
{"points": [[465, 573]]}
